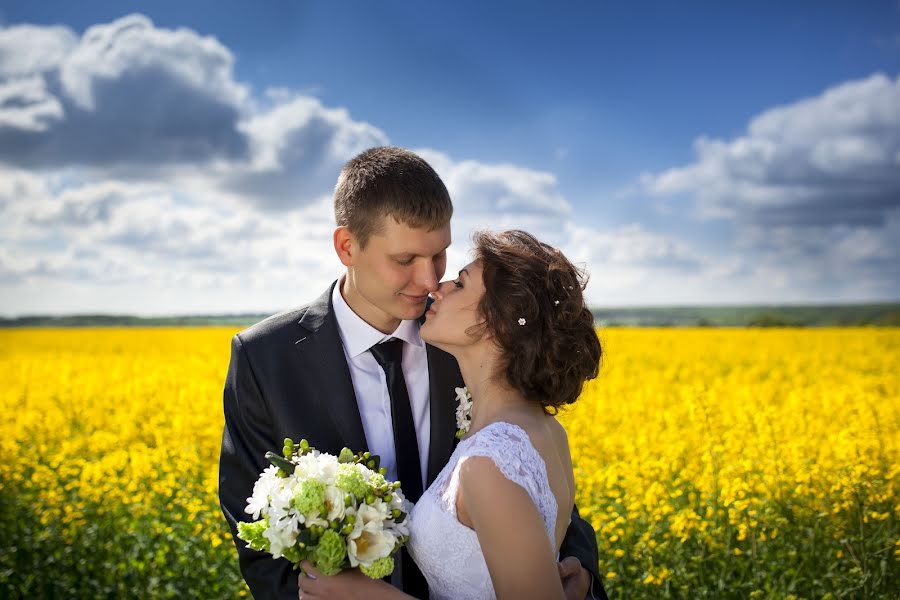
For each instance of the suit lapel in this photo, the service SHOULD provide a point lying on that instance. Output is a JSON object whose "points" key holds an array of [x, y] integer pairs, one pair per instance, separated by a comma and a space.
{"points": [[444, 377], [322, 356]]}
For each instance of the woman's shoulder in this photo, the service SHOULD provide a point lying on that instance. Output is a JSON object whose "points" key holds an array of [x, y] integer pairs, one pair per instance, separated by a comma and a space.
{"points": [[517, 446], [542, 433]]}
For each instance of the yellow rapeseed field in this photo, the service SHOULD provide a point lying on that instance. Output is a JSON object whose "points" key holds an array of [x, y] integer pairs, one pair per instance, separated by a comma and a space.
{"points": [[713, 463]]}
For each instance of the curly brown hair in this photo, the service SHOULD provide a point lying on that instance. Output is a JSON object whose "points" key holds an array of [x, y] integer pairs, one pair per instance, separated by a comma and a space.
{"points": [[551, 355]]}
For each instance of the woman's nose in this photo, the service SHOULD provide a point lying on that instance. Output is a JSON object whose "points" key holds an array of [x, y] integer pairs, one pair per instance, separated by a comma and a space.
{"points": [[441, 290]]}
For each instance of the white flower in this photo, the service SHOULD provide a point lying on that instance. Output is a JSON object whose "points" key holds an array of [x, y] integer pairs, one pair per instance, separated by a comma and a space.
{"points": [[398, 500], [522, 320], [374, 534], [334, 501], [321, 467], [372, 514], [262, 490], [281, 534], [463, 410], [367, 544]]}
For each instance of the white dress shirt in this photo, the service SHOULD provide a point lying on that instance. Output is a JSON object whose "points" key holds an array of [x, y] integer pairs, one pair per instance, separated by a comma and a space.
{"points": [[370, 383]]}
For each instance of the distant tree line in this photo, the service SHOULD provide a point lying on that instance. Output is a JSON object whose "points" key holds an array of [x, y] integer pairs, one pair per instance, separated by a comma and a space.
{"points": [[847, 315]]}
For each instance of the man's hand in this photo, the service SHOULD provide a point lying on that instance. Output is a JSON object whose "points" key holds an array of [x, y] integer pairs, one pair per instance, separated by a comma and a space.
{"points": [[575, 579]]}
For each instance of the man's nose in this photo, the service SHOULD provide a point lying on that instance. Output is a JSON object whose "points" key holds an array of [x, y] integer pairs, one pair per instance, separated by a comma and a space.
{"points": [[427, 278]]}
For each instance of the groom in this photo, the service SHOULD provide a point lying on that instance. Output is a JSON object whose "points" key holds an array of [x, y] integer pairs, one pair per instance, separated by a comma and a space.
{"points": [[309, 372]]}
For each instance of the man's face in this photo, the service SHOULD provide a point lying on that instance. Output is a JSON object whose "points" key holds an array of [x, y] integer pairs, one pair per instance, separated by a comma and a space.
{"points": [[390, 279]]}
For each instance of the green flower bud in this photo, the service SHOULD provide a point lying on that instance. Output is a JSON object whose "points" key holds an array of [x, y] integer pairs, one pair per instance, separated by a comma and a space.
{"points": [[309, 497], [370, 498], [351, 480], [379, 569], [329, 555], [252, 533]]}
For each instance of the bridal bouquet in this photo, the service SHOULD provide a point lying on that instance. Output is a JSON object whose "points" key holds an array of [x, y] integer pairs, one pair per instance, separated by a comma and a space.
{"points": [[336, 512]]}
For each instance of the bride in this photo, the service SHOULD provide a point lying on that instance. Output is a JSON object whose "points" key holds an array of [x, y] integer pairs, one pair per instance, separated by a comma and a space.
{"points": [[492, 522]]}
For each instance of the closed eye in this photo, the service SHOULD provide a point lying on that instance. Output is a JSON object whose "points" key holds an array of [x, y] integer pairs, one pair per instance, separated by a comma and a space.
{"points": [[458, 283]]}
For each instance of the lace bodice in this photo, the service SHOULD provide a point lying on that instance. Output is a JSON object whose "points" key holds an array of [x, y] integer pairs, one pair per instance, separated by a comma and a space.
{"points": [[446, 551]]}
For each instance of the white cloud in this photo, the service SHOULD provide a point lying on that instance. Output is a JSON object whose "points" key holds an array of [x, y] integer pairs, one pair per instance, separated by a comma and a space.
{"points": [[132, 47], [27, 49], [125, 93], [137, 175], [831, 159], [26, 105], [813, 188], [297, 148]]}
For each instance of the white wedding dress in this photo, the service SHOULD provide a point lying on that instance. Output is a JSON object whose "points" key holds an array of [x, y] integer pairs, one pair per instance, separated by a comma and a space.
{"points": [[446, 551]]}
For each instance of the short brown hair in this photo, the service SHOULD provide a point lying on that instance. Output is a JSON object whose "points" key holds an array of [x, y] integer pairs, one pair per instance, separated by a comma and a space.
{"points": [[389, 181], [548, 356]]}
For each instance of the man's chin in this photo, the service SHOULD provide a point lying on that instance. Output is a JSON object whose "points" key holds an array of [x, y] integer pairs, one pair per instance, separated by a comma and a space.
{"points": [[406, 313]]}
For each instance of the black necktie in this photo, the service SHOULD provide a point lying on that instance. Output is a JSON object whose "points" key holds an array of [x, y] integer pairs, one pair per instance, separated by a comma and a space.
{"points": [[406, 447]]}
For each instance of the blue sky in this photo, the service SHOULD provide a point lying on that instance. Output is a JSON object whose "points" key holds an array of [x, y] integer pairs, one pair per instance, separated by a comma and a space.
{"points": [[179, 158]]}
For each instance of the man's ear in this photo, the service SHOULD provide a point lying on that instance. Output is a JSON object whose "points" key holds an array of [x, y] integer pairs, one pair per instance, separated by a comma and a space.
{"points": [[345, 245]]}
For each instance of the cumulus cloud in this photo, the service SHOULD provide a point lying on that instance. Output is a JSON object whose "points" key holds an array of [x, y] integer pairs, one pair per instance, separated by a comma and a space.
{"points": [[298, 147], [832, 159], [100, 238], [137, 175], [624, 262], [28, 49], [500, 196], [131, 99], [813, 188], [125, 93], [26, 105]]}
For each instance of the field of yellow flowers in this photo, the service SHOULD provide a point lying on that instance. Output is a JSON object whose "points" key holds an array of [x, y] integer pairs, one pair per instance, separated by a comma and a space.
{"points": [[713, 463]]}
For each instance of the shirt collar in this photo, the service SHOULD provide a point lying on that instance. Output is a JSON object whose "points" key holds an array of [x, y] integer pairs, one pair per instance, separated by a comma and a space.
{"points": [[358, 336]]}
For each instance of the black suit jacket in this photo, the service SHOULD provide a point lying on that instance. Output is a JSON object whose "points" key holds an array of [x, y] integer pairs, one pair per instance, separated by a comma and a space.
{"points": [[288, 377]]}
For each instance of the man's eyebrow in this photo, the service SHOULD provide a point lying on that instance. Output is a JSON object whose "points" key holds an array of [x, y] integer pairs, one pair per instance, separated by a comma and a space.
{"points": [[461, 271]]}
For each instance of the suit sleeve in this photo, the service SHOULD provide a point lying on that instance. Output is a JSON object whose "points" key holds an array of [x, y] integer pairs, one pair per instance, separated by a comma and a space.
{"points": [[581, 542], [247, 436]]}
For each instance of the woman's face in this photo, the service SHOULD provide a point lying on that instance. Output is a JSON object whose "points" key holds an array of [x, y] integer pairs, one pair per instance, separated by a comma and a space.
{"points": [[455, 310]]}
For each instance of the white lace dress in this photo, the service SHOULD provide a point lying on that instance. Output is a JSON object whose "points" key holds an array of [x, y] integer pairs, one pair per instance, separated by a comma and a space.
{"points": [[446, 551]]}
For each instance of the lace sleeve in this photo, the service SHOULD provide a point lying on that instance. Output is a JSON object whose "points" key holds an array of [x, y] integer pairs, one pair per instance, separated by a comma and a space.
{"points": [[510, 448]]}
